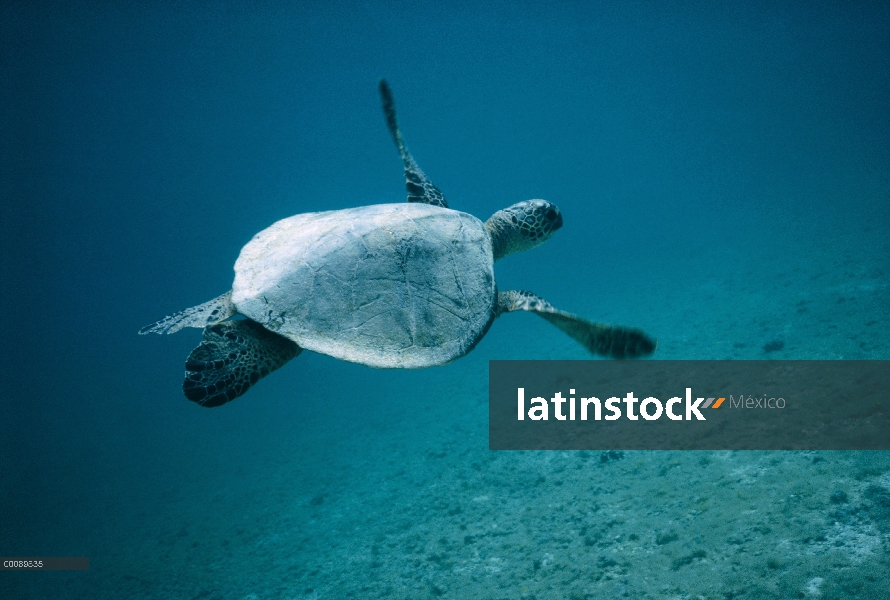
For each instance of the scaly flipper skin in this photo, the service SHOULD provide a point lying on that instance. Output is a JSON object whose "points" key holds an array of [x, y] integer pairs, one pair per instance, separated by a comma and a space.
{"points": [[233, 356], [603, 340], [420, 188], [203, 315]]}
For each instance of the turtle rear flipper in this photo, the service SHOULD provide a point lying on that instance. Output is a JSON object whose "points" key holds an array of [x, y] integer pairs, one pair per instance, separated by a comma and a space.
{"points": [[203, 315], [604, 340], [233, 356], [420, 188]]}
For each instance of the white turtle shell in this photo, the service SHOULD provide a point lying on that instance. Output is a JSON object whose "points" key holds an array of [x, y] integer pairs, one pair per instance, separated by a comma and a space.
{"points": [[391, 285]]}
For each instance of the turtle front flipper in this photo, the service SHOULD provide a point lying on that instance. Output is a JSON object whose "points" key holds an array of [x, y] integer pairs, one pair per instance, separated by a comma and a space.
{"points": [[203, 315], [233, 356], [420, 188], [604, 340]]}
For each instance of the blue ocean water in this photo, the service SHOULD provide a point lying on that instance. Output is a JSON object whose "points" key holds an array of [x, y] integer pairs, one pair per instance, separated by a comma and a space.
{"points": [[723, 171]]}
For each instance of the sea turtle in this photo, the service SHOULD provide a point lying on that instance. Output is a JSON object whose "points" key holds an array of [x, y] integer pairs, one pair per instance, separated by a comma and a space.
{"points": [[391, 285]]}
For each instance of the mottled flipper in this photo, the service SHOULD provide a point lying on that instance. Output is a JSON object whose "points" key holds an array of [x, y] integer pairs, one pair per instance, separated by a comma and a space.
{"points": [[203, 315], [604, 340], [420, 188], [233, 356]]}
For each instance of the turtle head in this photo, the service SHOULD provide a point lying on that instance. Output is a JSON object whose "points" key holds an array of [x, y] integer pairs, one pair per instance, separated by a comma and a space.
{"points": [[522, 226]]}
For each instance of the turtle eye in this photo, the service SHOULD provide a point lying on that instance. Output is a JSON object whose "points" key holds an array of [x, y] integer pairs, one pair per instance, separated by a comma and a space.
{"points": [[550, 214]]}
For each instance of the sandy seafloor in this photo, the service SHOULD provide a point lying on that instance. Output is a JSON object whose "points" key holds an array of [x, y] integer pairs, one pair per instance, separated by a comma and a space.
{"points": [[378, 484], [331, 480]]}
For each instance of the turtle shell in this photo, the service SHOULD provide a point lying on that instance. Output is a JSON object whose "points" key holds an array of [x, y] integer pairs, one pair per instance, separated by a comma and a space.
{"points": [[390, 285]]}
